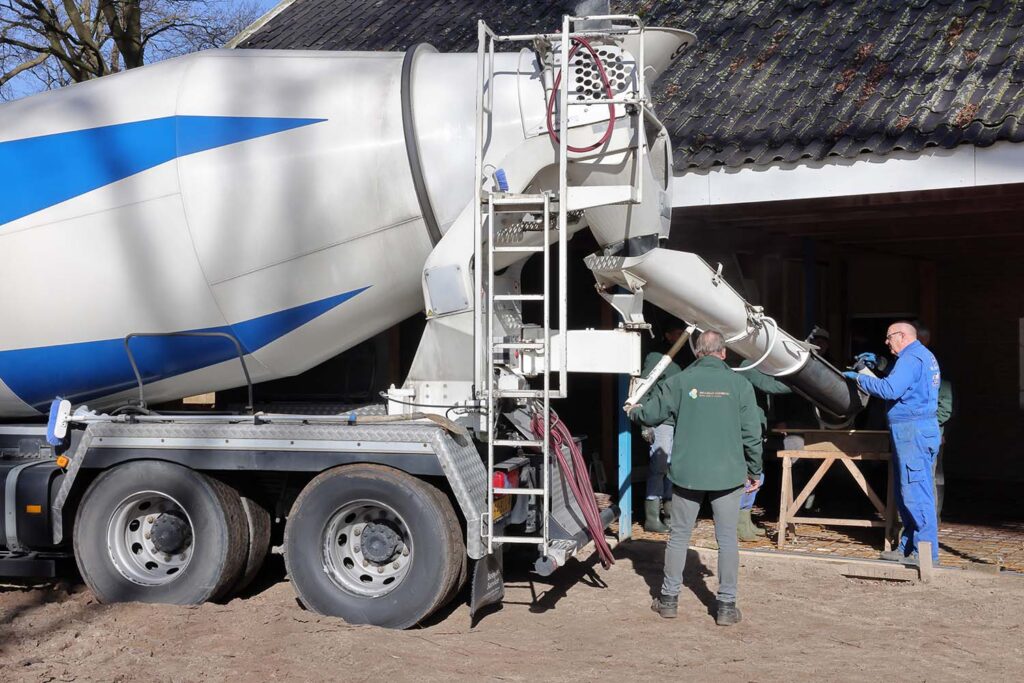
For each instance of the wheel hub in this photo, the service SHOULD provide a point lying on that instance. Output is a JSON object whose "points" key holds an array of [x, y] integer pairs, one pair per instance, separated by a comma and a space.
{"points": [[380, 542], [367, 548], [170, 533], [150, 538]]}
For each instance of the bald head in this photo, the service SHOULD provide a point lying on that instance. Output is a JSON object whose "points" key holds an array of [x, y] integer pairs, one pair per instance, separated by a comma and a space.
{"points": [[900, 335]]}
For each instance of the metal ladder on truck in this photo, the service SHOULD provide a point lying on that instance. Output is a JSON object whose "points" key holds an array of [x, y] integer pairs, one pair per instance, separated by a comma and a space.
{"points": [[487, 247]]}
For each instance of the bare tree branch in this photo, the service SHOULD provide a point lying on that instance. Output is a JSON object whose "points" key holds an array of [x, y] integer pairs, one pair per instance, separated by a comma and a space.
{"points": [[52, 42], [24, 66]]}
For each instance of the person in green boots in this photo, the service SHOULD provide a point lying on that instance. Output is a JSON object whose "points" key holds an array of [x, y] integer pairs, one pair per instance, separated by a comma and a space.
{"points": [[943, 413], [768, 386], [659, 488], [716, 454]]}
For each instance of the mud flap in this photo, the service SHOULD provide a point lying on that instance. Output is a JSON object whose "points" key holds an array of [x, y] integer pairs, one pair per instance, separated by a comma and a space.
{"points": [[488, 582]]}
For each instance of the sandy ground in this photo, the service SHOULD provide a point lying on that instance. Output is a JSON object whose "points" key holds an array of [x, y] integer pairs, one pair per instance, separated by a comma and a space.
{"points": [[802, 620]]}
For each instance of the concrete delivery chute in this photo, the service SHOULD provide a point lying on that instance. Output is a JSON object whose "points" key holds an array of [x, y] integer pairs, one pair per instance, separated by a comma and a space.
{"points": [[280, 207]]}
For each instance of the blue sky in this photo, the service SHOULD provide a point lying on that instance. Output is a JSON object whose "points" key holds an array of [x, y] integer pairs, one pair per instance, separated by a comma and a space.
{"points": [[267, 4], [22, 86]]}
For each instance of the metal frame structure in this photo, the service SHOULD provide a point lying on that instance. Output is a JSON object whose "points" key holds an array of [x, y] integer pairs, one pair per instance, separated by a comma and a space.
{"points": [[491, 204]]}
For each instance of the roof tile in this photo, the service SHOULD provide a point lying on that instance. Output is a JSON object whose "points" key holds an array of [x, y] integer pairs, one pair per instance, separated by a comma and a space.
{"points": [[770, 79]]}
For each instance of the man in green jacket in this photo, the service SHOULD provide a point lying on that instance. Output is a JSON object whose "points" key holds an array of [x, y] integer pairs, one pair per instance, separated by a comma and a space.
{"points": [[659, 488], [769, 386], [716, 454]]}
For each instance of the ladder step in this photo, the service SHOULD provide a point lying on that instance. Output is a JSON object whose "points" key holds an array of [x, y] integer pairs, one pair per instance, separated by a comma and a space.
{"points": [[518, 444], [525, 346], [631, 100], [519, 393], [530, 250], [519, 492], [519, 297], [510, 199], [532, 540]]}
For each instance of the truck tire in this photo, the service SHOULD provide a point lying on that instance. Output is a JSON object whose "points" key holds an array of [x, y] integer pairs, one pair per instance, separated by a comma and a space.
{"points": [[258, 521], [458, 578], [373, 545], [151, 531]]}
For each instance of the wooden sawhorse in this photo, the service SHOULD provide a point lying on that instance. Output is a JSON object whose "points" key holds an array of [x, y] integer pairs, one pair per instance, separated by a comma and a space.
{"points": [[789, 507]]}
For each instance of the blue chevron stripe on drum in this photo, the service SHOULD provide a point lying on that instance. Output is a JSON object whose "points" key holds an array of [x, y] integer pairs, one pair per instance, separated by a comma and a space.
{"points": [[39, 172], [86, 370]]}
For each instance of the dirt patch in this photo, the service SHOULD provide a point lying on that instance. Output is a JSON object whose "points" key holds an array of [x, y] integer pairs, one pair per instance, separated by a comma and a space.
{"points": [[802, 620]]}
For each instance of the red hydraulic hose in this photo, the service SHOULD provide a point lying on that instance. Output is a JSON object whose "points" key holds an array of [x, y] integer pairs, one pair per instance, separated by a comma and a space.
{"points": [[577, 479], [608, 91]]}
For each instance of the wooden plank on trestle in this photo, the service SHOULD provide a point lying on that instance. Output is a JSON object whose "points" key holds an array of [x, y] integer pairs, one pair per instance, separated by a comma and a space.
{"points": [[838, 521]]}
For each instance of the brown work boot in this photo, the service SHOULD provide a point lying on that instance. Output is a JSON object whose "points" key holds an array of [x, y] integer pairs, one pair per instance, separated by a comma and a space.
{"points": [[666, 605]]}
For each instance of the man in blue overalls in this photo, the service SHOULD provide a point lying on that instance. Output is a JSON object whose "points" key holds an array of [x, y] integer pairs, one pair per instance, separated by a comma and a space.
{"points": [[911, 393]]}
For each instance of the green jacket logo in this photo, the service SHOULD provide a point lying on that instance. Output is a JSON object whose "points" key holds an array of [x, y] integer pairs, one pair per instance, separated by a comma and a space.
{"points": [[693, 392]]}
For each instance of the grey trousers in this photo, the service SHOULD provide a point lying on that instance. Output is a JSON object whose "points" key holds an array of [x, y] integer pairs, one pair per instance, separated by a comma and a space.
{"points": [[725, 506]]}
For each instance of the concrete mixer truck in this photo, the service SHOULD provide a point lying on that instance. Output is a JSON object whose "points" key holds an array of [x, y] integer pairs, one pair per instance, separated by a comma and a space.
{"points": [[236, 216]]}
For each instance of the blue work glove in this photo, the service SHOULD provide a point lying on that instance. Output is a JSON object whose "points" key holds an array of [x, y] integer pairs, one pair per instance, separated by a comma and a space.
{"points": [[867, 357], [851, 375]]}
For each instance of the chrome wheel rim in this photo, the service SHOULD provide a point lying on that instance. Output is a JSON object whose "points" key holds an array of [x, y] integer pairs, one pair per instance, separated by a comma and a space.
{"points": [[367, 548], [139, 555]]}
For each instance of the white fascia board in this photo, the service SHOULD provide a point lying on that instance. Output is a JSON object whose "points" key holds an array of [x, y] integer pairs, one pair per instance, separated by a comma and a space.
{"points": [[932, 169], [255, 26]]}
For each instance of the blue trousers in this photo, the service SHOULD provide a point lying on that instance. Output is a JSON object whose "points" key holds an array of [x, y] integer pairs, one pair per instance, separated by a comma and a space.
{"points": [[658, 485], [916, 444], [747, 500]]}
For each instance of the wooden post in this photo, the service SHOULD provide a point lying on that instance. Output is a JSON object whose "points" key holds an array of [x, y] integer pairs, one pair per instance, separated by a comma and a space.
{"points": [[785, 499], [924, 561]]}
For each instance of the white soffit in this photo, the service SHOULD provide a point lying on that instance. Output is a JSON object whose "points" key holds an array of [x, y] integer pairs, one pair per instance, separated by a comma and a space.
{"points": [[933, 169]]}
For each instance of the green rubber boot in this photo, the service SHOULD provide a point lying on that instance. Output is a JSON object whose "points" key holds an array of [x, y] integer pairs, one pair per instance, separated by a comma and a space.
{"points": [[666, 512], [745, 527], [758, 531], [652, 517]]}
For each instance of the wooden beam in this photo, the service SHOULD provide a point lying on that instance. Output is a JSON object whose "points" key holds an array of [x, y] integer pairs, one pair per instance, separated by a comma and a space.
{"points": [[887, 572], [838, 521], [924, 561], [822, 455]]}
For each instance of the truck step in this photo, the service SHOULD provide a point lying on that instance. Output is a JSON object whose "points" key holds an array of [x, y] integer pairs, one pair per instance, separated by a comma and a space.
{"points": [[526, 540], [525, 346], [518, 443], [519, 297], [528, 250], [36, 565], [519, 492], [520, 393]]}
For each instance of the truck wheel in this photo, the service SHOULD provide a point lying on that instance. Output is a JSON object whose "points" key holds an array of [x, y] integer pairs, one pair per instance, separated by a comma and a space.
{"points": [[373, 545], [150, 531], [258, 521]]}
